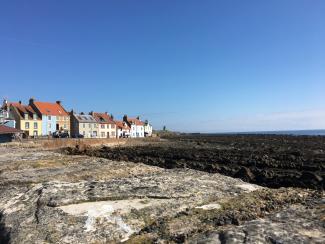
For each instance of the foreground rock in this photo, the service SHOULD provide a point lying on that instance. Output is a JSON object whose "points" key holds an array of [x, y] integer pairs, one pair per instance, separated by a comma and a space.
{"points": [[47, 197]]}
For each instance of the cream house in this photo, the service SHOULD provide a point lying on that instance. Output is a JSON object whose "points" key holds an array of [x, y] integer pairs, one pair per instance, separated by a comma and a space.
{"points": [[106, 125], [83, 125]]}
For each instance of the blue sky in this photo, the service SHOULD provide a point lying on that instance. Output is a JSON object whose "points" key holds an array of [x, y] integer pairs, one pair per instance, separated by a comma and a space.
{"points": [[207, 66]]}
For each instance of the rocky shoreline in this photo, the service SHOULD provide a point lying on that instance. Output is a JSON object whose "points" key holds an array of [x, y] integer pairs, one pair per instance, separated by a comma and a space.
{"points": [[272, 161], [155, 192]]}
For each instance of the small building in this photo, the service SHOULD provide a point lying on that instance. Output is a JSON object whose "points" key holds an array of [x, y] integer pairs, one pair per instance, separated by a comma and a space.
{"points": [[123, 130], [106, 125], [7, 134], [83, 124], [136, 126], [5, 118], [54, 116], [26, 119], [147, 129]]}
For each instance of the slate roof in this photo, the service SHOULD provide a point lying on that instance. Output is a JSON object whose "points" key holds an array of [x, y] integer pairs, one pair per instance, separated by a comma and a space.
{"points": [[85, 118], [8, 130]]}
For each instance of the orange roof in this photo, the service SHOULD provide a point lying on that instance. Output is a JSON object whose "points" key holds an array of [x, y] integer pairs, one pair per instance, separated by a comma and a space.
{"points": [[122, 125], [103, 118], [135, 121], [51, 109], [23, 109]]}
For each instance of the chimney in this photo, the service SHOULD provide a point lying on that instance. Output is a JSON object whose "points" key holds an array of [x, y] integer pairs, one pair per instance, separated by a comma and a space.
{"points": [[106, 113], [31, 100], [58, 102], [82, 113], [71, 112], [19, 102], [125, 118]]}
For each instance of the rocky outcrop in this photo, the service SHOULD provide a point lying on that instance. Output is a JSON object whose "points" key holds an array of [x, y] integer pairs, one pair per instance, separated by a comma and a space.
{"points": [[49, 197], [272, 161]]}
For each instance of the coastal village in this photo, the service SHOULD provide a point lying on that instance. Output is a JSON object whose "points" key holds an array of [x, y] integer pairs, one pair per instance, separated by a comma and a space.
{"points": [[39, 119]]}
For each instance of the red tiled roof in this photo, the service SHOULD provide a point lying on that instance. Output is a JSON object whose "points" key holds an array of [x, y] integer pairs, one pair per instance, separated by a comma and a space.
{"points": [[135, 121], [23, 109], [122, 125], [103, 118], [50, 109], [8, 130]]}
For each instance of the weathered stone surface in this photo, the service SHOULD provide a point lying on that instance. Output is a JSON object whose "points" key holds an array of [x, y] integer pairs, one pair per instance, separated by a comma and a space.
{"points": [[49, 197], [294, 224]]}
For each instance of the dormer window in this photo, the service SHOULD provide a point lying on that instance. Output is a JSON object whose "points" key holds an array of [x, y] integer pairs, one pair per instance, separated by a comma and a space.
{"points": [[34, 116], [26, 116]]}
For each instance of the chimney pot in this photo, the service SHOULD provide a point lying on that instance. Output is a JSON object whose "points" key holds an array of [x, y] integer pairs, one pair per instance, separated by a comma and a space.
{"points": [[31, 100]]}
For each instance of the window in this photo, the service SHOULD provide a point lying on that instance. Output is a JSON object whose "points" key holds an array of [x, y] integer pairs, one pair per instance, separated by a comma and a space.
{"points": [[50, 125], [34, 116], [49, 117], [65, 126], [57, 117], [35, 133], [83, 125], [89, 125], [95, 133], [84, 133], [103, 134], [107, 126], [26, 116], [113, 126], [35, 125], [102, 126], [113, 133], [26, 125]]}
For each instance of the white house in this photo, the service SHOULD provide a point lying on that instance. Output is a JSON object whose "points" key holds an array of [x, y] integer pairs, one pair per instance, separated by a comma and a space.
{"points": [[147, 129], [136, 126], [123, 130]]}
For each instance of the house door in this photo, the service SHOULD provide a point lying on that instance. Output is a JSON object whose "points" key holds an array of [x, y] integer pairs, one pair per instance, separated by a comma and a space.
{"points": [[57, 127], [107, 134]]}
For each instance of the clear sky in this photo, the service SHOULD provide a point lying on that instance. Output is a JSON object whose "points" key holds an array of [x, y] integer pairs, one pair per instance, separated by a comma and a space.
{"points": [[209, 66]]}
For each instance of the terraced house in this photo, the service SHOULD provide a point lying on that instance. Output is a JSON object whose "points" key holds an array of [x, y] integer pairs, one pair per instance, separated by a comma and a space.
{"points": [[106, 125], [54, 116], [123, 130], [27, 119], [136, 125], [83, 124]]}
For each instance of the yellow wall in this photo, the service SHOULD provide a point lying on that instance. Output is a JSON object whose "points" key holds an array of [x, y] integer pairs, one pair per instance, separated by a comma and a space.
{"points": [[31, 126]]}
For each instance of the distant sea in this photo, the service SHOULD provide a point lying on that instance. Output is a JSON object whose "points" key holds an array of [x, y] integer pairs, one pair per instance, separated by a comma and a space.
{"points": [[285, 132]]}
